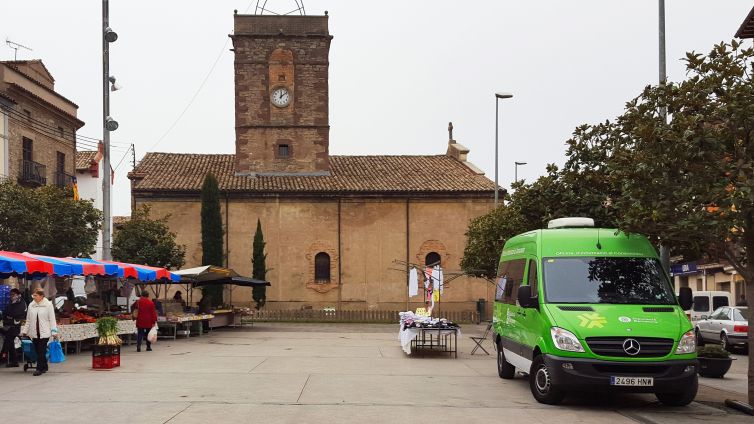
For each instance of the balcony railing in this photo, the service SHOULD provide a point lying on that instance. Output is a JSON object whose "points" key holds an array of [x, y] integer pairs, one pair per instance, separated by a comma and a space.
{"points": [[63, 180], [33, 173]]}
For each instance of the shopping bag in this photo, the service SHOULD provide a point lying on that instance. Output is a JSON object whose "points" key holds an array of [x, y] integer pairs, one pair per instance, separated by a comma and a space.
{"points": [[55, 352], [152, 336]]}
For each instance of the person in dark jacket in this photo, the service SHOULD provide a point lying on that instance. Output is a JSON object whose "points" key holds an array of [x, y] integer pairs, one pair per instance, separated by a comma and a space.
{"points": [[14, 313], [146, 318]]}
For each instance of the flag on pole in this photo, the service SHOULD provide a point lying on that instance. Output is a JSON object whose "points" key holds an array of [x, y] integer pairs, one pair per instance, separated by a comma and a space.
{"points": [[75, 189]]}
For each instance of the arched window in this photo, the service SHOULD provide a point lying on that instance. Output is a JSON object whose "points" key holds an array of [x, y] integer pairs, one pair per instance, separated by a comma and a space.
{"points": [[322, 268], [433, 258]]}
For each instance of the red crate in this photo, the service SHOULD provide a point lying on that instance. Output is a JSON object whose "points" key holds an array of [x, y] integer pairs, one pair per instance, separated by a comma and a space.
{"points": [[105, 362]]}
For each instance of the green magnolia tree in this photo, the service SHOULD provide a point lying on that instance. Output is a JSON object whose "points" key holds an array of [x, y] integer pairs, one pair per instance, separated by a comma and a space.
{"points": [[46, 220], [577, 190], [259, 268], [143, 240], [212, 234]]}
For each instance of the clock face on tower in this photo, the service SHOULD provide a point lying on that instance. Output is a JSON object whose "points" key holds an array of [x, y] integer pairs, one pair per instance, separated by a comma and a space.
{"points": [[280, 97]]}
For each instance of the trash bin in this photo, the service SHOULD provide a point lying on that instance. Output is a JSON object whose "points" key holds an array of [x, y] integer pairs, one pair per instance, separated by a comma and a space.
{"points": [[480, 308]]}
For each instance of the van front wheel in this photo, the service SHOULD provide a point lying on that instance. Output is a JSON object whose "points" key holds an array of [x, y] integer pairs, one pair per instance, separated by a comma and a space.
{"points": [[681, 398], [540, 381], [504, 369]]}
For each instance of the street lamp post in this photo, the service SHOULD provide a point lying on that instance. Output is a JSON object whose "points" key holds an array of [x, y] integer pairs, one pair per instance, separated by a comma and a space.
{"points": [[515, 167], [498, 96], [108, 124]]}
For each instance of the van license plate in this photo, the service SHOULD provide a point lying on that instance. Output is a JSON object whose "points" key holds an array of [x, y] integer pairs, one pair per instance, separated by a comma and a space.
{"points": [[632, 381]]}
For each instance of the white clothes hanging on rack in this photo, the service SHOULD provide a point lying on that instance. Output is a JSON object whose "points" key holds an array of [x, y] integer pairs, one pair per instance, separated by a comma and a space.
{"points": [[413, 282]]}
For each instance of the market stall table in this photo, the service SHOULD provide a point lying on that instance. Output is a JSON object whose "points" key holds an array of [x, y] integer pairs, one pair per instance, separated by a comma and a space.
{"points": [[421, 332], [80, 332]]}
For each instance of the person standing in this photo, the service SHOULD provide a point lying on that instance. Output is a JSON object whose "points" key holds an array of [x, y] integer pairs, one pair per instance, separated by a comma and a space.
{"points": [[146, 318], [14, 313], [40, 326]]}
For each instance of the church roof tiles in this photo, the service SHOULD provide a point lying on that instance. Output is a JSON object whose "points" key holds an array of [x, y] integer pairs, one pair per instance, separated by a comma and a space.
{"points": [[176, 172]]}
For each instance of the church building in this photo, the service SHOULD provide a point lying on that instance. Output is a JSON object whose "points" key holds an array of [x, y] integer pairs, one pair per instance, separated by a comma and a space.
{"points": [[341, 231]]}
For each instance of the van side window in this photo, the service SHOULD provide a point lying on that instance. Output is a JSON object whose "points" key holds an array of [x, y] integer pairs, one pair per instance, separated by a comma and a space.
{"points": [[701, 304], [718, 301], [532, 278], [514, 276]]}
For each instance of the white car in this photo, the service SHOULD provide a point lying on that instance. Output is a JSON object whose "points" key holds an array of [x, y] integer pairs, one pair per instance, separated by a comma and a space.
{"points": [[728, 325]]}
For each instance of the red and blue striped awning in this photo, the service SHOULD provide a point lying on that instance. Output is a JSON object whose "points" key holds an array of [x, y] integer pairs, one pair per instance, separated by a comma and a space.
{"points": [[140, 272], [12, 263], [78, 267], [17, 263]]}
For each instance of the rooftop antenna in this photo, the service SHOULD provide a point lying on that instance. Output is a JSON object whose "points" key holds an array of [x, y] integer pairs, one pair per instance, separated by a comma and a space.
{"points": [[16, 46], [298, 8]]}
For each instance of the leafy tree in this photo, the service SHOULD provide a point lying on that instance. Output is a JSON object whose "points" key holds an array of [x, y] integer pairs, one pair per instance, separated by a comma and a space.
{"points": [[47, 221], [212, 234], [143, 240], [259, 268]]}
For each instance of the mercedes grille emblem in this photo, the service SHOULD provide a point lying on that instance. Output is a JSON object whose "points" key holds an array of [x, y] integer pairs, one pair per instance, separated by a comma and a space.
{"points": [[631, 347]]}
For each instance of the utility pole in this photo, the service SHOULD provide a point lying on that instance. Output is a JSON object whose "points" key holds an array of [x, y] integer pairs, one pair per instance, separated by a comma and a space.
{"points": [[664, 250], [108, 124]]}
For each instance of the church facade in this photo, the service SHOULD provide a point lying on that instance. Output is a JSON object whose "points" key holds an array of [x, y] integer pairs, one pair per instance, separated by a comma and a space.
{"points": [[341, 231]]}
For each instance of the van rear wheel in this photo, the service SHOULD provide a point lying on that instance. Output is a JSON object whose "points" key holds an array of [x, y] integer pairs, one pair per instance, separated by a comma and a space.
{"points": [[681, 398], [540, 382], [504, 369]]}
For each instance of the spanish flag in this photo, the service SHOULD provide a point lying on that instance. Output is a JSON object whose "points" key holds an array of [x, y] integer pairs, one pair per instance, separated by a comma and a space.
{"points": [[75, 186]]}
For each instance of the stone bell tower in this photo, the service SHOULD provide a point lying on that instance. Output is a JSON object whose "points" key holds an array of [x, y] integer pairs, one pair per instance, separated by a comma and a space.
{"points": [[281, 81]]}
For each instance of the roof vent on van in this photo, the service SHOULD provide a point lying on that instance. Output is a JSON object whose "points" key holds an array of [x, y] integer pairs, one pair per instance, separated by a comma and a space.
{"points": [[576, 222]]}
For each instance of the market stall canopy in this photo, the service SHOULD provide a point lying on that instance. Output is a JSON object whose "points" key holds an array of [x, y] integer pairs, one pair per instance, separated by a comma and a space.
{"points": [[77, 266], [210, 275], [16, 263], [143, 273]]}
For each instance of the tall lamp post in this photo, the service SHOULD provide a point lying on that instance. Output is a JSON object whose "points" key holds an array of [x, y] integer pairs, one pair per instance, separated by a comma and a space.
{"points": [[498, 96], [108, 124], [515, 168]]}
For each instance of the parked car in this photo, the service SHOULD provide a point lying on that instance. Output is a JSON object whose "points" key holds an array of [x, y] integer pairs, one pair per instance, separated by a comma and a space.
{"points": [[706, 302], [728, 325]]}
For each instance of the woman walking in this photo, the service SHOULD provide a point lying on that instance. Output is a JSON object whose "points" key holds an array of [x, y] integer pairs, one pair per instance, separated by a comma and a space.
{"points": [[146, 318], [40, 326]]}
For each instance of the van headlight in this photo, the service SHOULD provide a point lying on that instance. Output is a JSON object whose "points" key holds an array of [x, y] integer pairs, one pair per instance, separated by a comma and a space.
{"points": [[687, 344], [565, 340]]}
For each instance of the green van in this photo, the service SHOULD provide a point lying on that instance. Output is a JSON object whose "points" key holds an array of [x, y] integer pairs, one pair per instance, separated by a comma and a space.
{"points": [[580, 308]]}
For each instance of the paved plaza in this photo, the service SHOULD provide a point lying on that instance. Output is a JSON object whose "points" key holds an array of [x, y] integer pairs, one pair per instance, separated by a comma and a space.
{"points": [[334, 373]]}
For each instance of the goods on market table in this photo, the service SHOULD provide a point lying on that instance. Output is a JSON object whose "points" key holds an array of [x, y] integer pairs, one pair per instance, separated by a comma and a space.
{"points": [[411, 320], [80, 317]]}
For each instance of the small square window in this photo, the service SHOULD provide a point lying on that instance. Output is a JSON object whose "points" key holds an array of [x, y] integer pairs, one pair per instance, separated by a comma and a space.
{"points": [[28, 114], [61, 132], [281, 77], [283, 150]]}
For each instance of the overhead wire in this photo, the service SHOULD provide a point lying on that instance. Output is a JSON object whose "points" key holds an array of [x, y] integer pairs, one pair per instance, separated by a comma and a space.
{"points": [[198, 90], [56, 130]]}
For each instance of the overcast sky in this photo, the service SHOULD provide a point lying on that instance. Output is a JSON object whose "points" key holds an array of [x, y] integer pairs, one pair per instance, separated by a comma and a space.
{"points": [[399, 70]]}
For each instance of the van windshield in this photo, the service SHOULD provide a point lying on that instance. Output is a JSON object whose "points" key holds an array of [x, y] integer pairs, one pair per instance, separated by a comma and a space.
{"points": [[606, 280]]}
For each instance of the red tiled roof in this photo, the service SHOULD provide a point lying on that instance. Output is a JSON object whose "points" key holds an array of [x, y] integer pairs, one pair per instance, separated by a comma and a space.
{"points": [[84, 159], [175, 172]]}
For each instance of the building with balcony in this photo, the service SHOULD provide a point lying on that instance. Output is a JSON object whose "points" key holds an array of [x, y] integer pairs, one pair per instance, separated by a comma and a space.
{"points": [[37, 126]]}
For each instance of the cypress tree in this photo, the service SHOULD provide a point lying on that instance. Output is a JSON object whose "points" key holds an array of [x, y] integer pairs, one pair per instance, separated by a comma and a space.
{"points": [[259, 268], [212, 234]]}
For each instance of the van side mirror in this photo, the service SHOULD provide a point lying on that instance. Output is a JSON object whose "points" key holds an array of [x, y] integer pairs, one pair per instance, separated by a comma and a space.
{"points": [[524, 297], [685, 298]]}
